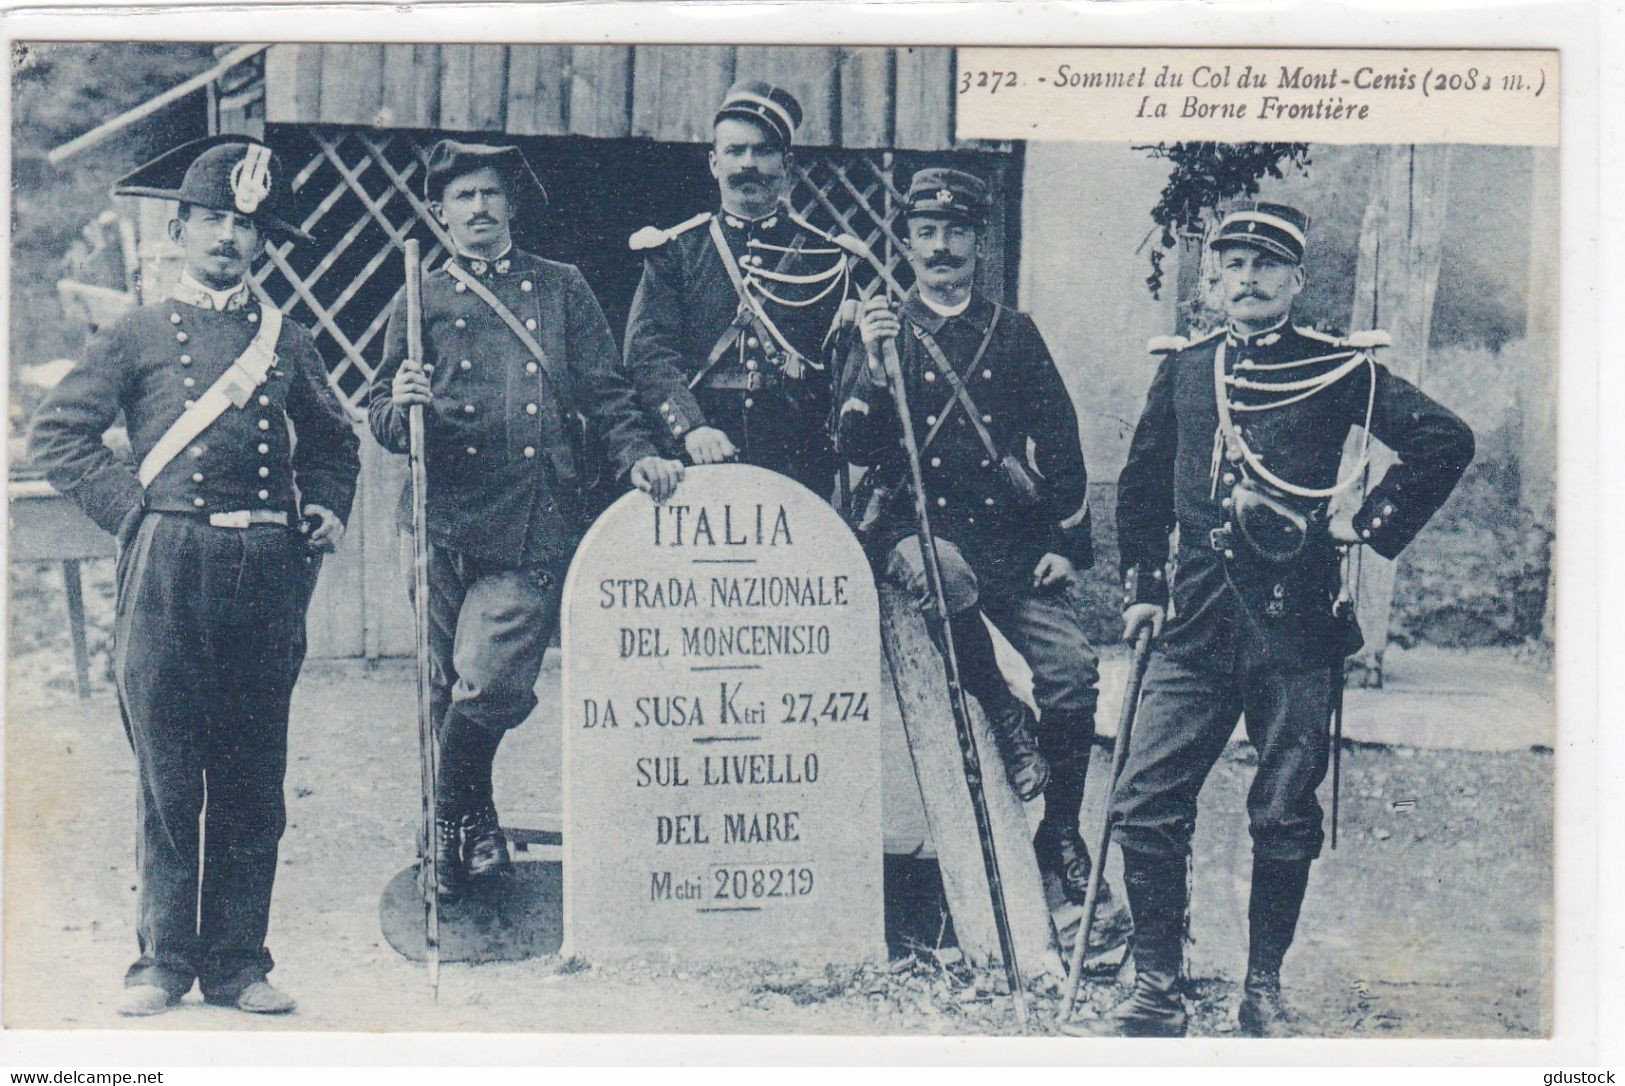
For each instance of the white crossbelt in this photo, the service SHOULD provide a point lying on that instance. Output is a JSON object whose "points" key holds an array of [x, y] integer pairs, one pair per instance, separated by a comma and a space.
{"points": [[233, 388]]}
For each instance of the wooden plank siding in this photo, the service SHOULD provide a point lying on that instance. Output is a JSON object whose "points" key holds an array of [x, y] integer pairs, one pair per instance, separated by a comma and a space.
{"points": [[860, 98]]}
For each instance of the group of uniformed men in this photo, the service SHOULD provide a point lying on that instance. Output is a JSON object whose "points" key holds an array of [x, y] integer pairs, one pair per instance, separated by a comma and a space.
{"points": [[748, 339]]}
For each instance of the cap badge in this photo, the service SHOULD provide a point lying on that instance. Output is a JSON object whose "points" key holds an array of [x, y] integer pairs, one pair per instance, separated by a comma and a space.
{"points": [[945, 196], [1252, 228], [251, 179]]}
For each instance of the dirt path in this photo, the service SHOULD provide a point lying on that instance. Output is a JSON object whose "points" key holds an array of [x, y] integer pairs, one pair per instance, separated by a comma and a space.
{"points": [[1431, 919]]}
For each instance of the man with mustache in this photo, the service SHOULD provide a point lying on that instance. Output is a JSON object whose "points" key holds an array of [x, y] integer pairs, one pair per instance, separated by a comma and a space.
{"points": [[215, 565], [1008, 498], [514, 346], [1239, 447], [726, 340]]}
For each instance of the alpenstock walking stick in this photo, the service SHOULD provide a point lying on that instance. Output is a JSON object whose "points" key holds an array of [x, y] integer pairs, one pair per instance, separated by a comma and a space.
{"points": [[427, 755], [956, 691], [1125, 728]]}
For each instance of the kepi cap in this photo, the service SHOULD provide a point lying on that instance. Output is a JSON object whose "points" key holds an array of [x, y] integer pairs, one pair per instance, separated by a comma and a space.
{"points": [[1276, 229], [451, 159], [775, 108], [954, 193], [222, 173]]}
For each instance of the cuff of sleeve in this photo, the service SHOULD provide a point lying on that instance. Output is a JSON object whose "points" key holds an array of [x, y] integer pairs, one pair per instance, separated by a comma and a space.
{"points": [[680, 413], [1144, 583], [336, 501], [1377, 524]]}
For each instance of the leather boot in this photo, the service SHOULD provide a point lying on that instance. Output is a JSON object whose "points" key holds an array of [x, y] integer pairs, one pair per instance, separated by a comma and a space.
{"points": [[1157, 895], [1063, 739], [1272, 920], [1014, 728], [448, 860], [485, 846]]}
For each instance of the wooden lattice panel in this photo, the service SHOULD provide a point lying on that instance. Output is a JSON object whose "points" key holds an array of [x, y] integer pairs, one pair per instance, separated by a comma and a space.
{"points": [[359, 192]]}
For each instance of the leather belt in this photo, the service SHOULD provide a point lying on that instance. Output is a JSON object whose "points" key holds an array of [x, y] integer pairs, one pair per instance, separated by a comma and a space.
{"points": [[1221, 539], [753, 381], [242, 518]]}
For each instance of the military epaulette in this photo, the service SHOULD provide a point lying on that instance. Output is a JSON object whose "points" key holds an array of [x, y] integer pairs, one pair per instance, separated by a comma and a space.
{"points": [[1359, 341], [653, 237], [1175, 344]]}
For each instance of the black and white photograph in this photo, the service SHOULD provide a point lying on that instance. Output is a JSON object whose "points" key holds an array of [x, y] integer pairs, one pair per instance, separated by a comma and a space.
{"points": [[772, 539]]}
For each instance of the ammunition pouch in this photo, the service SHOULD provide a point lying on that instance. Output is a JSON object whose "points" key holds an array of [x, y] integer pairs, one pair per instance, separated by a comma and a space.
{"points": [[1019, 481], [1272, 528]]}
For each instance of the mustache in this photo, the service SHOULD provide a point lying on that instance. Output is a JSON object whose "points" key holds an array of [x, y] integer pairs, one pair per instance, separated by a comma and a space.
{"points": [[744, 176], [945, 260], [1243, 295], [482, 219], [226, 249]]}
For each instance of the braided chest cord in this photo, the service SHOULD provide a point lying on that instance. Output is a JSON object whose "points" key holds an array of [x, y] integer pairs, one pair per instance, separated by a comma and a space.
{"points": [[1229, 436]]}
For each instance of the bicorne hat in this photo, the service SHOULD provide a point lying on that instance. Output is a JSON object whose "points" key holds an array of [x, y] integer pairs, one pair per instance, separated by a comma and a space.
{"points": [[222, 173], [1276, 229], [952, 193], [451, 159], [774, 108]]}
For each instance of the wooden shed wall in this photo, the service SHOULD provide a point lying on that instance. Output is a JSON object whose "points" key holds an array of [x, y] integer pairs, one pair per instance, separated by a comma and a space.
{"points": [[899, 98]]}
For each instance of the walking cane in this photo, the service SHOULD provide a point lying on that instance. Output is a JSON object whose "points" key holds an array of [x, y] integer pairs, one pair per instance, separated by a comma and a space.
{"points": [[1091, 898], [956, 692], [420, 613]]}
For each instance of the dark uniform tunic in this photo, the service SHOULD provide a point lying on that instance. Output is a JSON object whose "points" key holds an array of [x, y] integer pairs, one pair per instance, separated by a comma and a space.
{"points": [[504, 501], [975, 514], [686, 301], [1247, 634], [210, 620]]}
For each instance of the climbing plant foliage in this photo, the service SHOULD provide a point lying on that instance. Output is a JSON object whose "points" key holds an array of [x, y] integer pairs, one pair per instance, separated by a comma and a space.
{"points": [[1205, 175]]}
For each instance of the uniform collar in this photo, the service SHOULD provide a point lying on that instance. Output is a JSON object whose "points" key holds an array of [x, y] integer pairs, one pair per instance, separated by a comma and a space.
{"points": [[1267, 338], [739, 222], [917, 310], [480, 266], [191, 292]]}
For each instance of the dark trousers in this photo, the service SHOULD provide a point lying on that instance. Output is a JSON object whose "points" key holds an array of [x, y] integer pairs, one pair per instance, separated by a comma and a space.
{"points": [[208, 640], [488, 631], [1045, 626], [1185, 718]]}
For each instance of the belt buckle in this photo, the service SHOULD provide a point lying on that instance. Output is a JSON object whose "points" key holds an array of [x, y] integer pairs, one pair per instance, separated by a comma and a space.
{"points": [[236, 519], [753, 381], [1218, 539]]}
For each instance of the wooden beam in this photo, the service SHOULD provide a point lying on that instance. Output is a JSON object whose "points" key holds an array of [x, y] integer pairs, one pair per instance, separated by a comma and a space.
{"points": [[925, 96], [352, 76], [536, 89], [676, 90], [600, 91], [916, 671], [1395, 278], [153, 105], [867, 97]]}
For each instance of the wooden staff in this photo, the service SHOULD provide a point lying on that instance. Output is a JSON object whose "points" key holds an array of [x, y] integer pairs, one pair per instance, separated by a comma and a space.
{"points": [[1091, 898], [427, 754]]}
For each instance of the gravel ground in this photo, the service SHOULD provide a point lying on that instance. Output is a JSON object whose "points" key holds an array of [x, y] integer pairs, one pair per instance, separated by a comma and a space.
{"points": [[1432, 919]]}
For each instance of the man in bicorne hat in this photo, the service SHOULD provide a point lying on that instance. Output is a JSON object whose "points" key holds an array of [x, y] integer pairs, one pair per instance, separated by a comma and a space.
{"points": [[1239, 447], [214, 571], [1007, 494], [728, 336], [514, 346]]}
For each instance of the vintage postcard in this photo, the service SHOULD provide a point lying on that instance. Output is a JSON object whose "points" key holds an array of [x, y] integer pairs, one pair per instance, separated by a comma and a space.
{"points": [[623, 530]]}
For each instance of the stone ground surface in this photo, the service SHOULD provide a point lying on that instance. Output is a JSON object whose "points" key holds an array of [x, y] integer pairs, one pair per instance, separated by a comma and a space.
{"points": [[1433, 918]]}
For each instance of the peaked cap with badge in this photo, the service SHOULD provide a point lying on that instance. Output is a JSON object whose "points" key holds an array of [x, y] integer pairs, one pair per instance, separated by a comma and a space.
{"points": [[774, 108], [950, 193], [1276, 229], [222, 173]]}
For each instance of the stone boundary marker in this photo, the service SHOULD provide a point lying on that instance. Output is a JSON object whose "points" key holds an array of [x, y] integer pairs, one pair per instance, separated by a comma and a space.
{"points": [[721, 681]]}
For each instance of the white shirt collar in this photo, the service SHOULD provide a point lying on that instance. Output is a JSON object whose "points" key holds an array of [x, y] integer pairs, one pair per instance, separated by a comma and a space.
{"points": [[946, 311], [192, 292]]}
